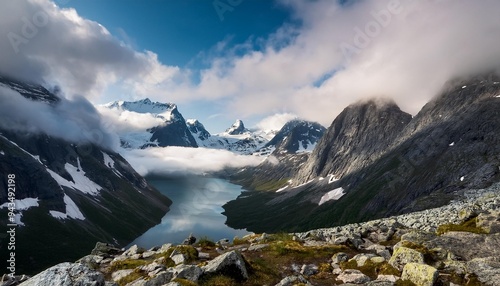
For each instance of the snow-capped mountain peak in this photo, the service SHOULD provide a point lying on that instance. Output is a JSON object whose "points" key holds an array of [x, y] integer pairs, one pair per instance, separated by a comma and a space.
{"points": [[237, 128], [143, 106]]}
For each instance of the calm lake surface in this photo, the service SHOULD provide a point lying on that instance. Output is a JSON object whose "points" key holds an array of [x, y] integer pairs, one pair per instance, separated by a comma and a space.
{"points": [[196, 208]]}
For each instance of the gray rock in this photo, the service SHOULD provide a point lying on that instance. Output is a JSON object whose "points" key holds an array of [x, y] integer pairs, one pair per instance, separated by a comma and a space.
{"points": [[178, 258], [489, 221], [164, 248], [160, 280], [380, 283], [189, 272], [91, 261], [67, 274], [256, 247], [389, 278], [362, 258], [308, 269], [148, 254], [486, 269], [230, 263], [467, 245], [120, 274], [190, 240], [293, 280], [152, 267], [105, 250], [134, 250], [420, 274], [203, 255], [403, 256], [353, 276], [340, 257]]}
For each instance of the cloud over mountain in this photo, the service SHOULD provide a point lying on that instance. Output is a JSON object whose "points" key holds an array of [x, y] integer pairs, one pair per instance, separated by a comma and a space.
{"points": [[327, 57]]}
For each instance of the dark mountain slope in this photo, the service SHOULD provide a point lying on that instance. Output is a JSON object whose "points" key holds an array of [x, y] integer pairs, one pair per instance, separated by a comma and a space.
{"points": [[452, 144], [69, 196]]}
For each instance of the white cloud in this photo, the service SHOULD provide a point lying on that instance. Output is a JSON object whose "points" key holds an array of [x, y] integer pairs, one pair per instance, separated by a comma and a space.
{"points": [[74, 120], [275, 122], [179, 160], [404, 49], [124, 121], [58, 46]]}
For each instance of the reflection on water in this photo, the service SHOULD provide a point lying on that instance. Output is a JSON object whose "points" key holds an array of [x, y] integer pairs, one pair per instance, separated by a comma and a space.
{"points": [[196, 208]]}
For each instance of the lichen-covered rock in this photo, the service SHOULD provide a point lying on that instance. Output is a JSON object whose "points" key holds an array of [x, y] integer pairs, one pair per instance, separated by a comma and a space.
{"points": [[353, 276], [362, 258], [403, 256], [67, 274], [467, 245], [489, 221], [486, 269], [231, 264], [420, 274]]}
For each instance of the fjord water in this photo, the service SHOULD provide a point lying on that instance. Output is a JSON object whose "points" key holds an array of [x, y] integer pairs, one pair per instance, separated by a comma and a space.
{"points": [[196, 208]]}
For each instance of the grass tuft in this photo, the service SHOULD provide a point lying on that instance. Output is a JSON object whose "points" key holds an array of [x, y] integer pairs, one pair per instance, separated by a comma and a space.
{"points": [[468, 226]]}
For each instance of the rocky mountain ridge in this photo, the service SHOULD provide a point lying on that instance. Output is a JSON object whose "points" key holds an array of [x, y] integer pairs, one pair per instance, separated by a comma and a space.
{"points": [[68, 195], [419, 163], [452, 245]]}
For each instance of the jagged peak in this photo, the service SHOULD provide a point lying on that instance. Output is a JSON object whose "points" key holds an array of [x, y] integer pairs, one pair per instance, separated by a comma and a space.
{"points": [[237, 128]]}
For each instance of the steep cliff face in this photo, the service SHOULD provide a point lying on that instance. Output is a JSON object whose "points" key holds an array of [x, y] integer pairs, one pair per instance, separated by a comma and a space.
{"points": [[382, 170], [356, 138], [69, 195], [173, 132]]}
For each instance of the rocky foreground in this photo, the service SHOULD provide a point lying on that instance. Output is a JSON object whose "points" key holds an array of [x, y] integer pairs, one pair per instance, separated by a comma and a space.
{"points": [[458, 244]]}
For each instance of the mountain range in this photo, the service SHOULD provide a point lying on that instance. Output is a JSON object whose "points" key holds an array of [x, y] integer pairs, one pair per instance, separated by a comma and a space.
{"points": [[172, 129], [373, 161], [376, 161]]}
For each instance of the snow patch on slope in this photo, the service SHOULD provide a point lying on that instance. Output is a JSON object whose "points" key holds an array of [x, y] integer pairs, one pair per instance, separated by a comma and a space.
{"points": [[80, 181], [20, 206], [332, 195], [23, 204], [72, 210]]}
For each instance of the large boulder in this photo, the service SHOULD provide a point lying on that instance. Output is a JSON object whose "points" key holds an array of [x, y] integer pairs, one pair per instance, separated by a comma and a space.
{"points": [[466, 245], [230, 264], [486, 269], [403, 256], [489, 221], [67, 274], [420, 274]]}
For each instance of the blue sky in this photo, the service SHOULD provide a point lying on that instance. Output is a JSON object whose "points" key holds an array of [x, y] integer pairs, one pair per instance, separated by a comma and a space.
{"points": [[183, 33], [264, 60], [178, 30]]}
